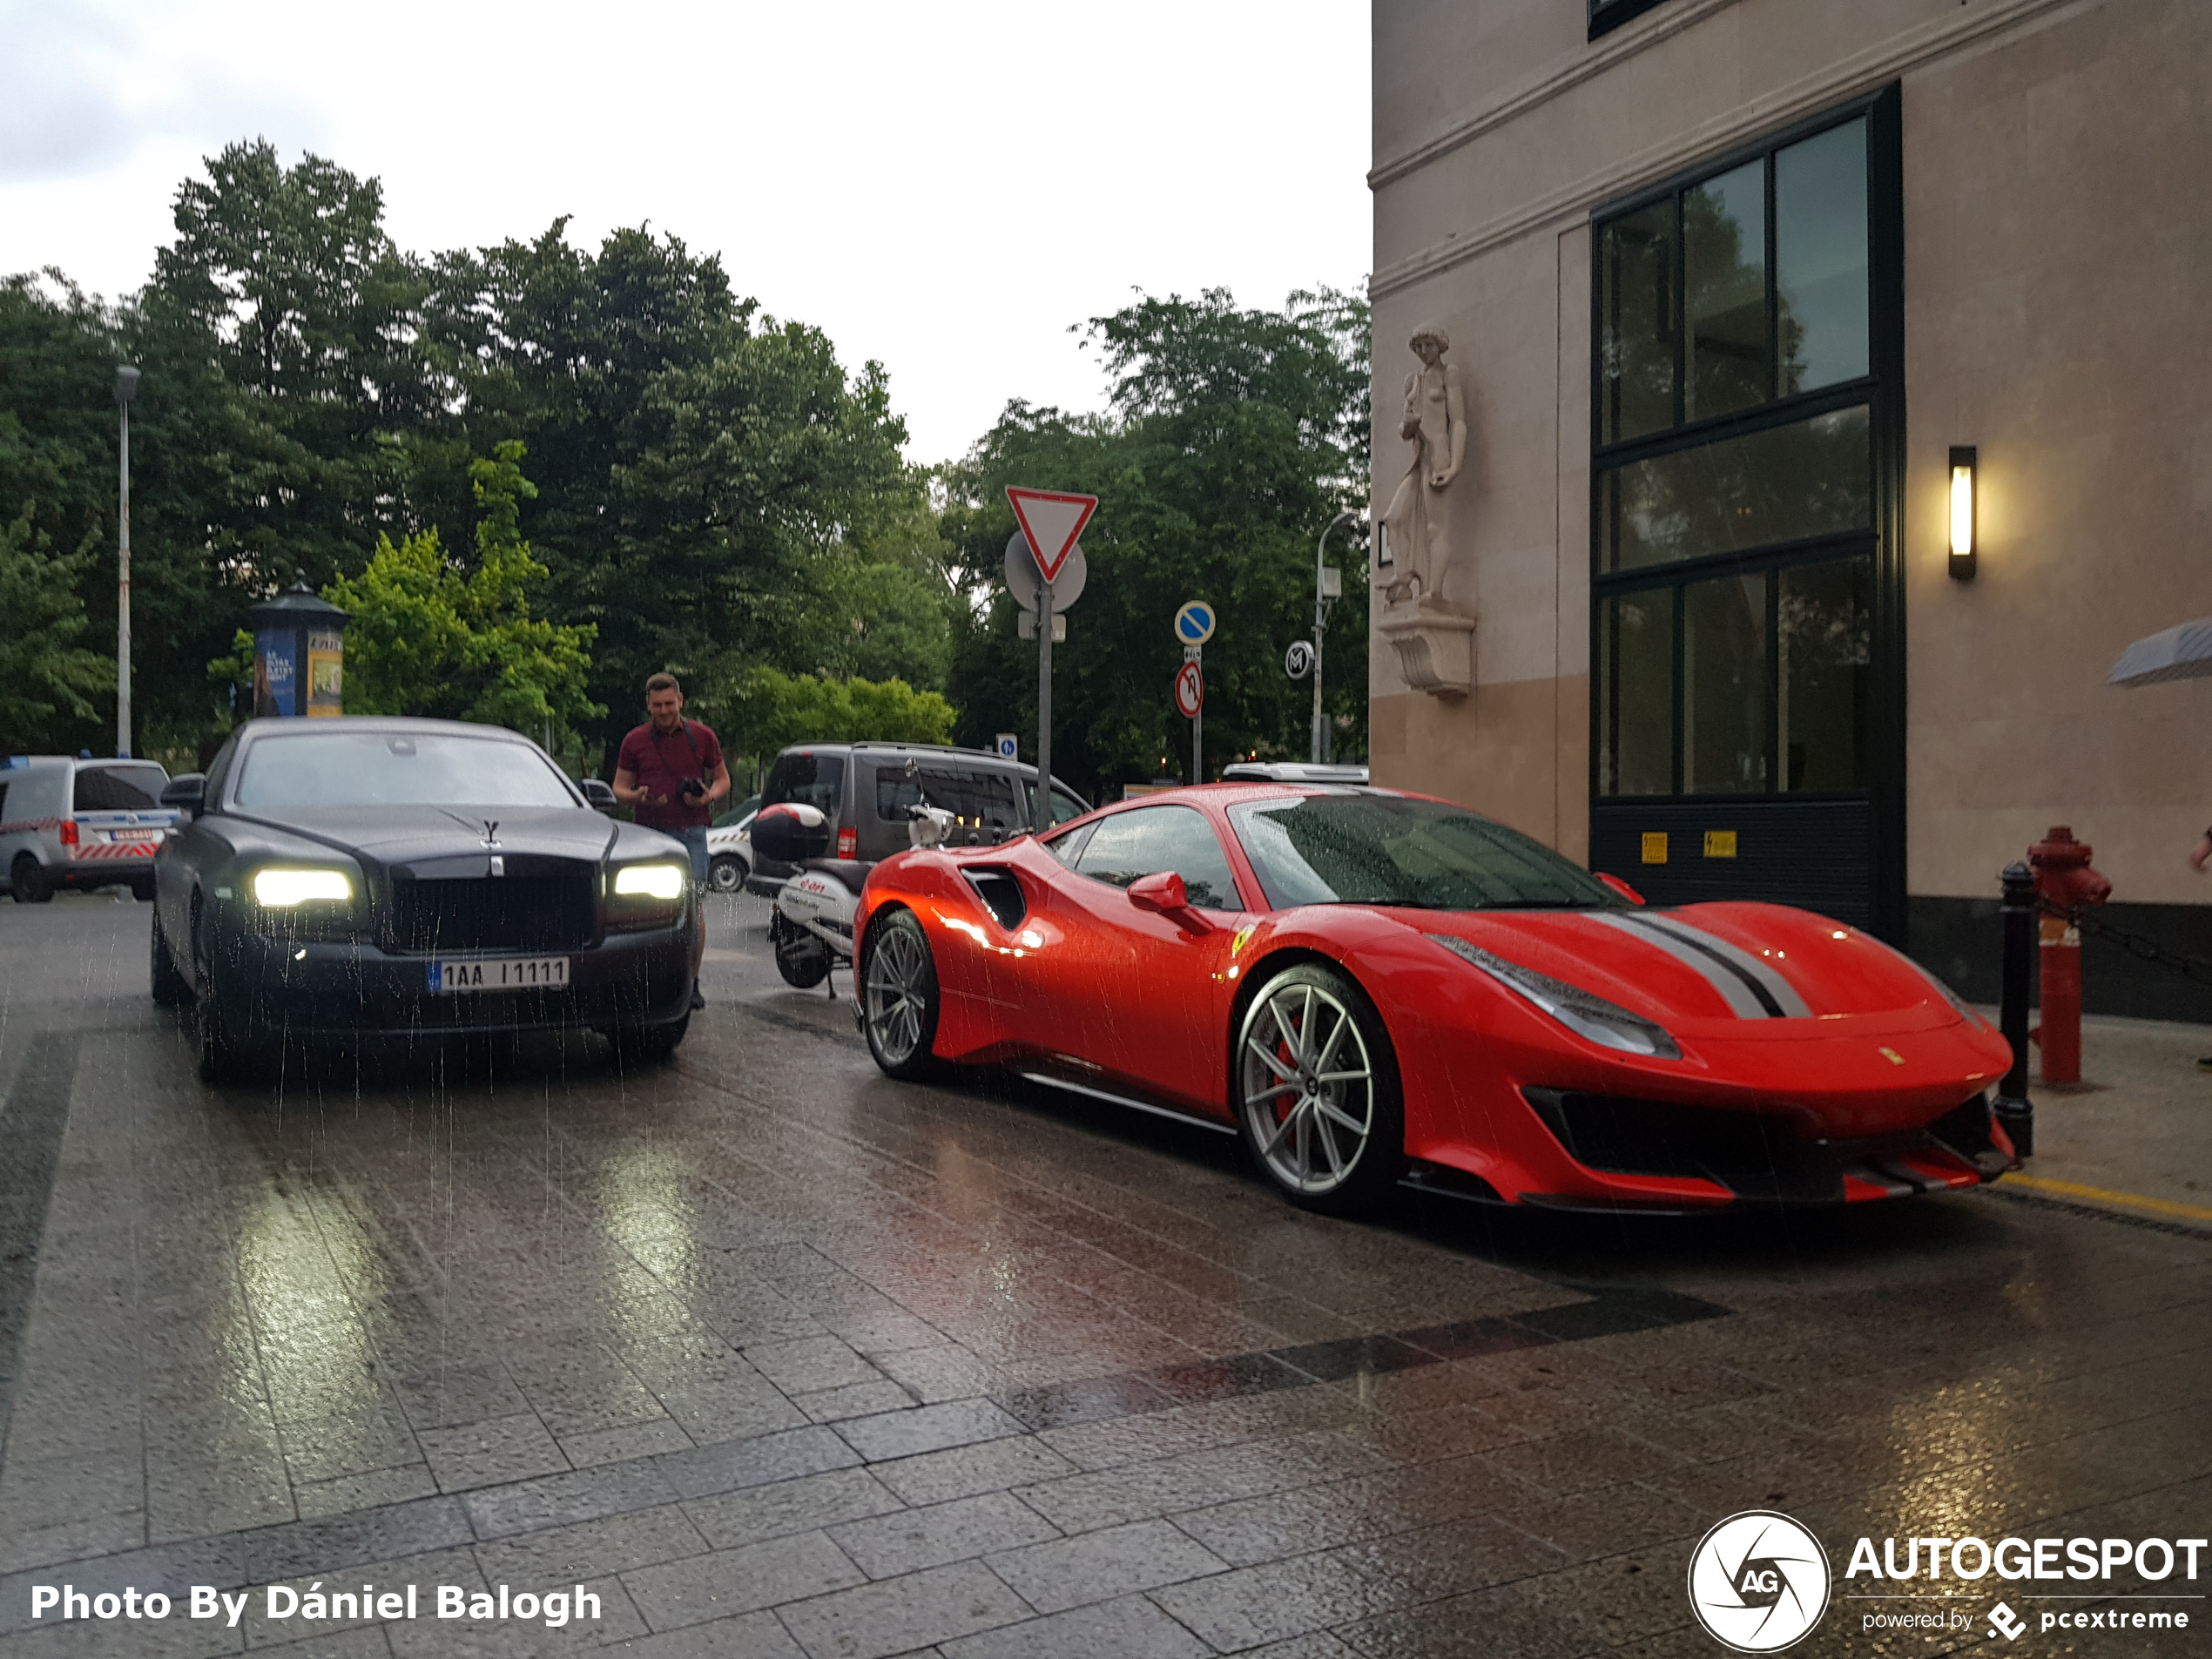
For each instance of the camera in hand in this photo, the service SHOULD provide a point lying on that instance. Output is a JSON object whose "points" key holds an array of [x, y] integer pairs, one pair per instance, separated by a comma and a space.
{"points": [[691, 788]]}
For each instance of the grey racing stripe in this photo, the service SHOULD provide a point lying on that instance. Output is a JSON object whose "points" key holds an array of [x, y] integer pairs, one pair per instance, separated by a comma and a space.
{"points": [[1741, 993], [1780, 996]]}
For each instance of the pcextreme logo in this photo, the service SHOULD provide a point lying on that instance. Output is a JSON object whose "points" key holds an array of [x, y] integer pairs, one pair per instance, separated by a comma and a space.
{"points": [[1759, 1581]]}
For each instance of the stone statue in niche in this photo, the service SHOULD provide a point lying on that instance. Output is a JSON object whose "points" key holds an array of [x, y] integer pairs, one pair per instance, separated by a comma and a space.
{"points": [[1417, 519], [1434, 640]]}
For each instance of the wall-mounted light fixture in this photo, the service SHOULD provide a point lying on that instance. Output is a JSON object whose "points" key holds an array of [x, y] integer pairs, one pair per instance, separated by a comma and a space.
{"points": [[1962, 512]]}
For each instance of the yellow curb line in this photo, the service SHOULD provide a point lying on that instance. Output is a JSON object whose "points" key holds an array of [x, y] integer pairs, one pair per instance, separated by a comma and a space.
{"points": [[2105, 1195]]}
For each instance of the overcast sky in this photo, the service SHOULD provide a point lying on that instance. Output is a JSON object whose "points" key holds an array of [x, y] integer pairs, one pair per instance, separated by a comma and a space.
{"points": [[944, 187]]}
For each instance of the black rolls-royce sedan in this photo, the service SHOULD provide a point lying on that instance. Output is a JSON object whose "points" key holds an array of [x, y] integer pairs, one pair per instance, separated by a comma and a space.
{"points": [[359, 877]]}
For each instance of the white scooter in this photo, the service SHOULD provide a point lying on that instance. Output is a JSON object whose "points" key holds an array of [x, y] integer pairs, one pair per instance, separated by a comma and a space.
{"points": [[811, 925]]}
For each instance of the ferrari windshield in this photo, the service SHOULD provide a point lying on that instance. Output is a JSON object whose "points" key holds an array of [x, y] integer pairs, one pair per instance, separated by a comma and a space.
{"points": [[398, 769], [1388, 850]]}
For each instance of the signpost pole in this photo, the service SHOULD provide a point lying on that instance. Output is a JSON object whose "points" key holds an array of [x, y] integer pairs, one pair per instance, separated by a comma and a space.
{"points": [[1198, 735], [1322, 599], [1052, 525], [1044, 707], [126, 383], [1321, 728]]}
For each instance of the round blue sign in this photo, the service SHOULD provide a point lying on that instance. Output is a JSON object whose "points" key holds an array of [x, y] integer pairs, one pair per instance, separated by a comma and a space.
{"points": [[1194, 623]]}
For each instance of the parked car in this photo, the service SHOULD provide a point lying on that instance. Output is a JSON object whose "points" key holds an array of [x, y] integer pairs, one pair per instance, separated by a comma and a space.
{"points": [[1290, 772], [363, 877], [729, 849], [864, 789], [1370, 986], [79, 823]]}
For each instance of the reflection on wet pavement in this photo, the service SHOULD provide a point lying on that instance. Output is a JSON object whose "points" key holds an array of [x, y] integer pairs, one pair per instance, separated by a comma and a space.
{"points": [[773, 1356]]}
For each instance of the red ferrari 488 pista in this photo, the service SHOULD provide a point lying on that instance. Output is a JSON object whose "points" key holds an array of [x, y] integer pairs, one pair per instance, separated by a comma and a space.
{"points": [[1372, 986]]}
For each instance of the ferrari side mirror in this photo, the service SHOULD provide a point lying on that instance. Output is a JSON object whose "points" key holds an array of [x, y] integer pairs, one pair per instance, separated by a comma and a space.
{"points": [[1620, 888], [1162, 892]]}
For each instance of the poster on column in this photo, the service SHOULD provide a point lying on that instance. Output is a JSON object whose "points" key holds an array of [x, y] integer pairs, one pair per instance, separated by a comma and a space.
{"points": [[276, 672], [325, 674]]}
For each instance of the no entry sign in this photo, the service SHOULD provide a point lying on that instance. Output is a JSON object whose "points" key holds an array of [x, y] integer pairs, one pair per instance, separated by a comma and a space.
{"points": [[1189, 691]]}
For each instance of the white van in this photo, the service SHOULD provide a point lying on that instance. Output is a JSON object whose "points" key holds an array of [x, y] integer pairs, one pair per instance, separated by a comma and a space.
{"points": [[79, 823]]}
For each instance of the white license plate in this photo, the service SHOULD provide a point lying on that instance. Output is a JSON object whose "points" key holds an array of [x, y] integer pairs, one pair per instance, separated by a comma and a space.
{"points": [[134, 835], [499, 973]]}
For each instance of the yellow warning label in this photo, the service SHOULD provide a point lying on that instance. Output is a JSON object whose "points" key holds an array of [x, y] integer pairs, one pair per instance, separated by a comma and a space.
{"points": [[1655, 846], [1720, 844]]}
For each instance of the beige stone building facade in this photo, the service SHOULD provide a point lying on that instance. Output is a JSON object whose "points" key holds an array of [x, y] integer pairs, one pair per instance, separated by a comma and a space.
{"points": [[1728, 286]]}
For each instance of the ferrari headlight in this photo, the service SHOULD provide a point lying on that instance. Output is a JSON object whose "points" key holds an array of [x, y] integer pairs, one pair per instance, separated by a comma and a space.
{"points": [[285, 889], [651, 880], [1606, 1024]]}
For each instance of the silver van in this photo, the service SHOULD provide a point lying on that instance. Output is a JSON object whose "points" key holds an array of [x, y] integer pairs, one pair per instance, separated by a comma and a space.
{"points": [[79, 823]]}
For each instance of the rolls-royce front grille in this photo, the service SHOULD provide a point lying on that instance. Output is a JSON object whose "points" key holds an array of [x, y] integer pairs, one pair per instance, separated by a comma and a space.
{"points": [[532, 912]]}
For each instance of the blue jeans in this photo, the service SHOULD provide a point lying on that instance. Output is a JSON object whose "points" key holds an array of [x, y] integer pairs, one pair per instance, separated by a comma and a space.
{"points": [[694, 839]]}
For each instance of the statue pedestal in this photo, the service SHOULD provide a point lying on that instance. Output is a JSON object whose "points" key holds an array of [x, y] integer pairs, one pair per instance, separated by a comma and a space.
{"points": [[1435, 648]]}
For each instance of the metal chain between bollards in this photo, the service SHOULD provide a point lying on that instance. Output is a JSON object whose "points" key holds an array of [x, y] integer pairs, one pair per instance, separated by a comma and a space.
{"points": [[2140, 945]]}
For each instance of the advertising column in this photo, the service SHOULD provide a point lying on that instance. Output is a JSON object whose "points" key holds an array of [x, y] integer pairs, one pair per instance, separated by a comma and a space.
{"points": [[299, 655]]}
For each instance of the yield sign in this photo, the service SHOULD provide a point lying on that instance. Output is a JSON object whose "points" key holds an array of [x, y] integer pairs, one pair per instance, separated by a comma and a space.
{"points": [[1052, 523], [1189, 691]]}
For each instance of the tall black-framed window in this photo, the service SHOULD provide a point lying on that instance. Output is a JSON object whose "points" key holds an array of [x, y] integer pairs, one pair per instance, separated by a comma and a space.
{"points": [[1747, 443], [1606, 15]]}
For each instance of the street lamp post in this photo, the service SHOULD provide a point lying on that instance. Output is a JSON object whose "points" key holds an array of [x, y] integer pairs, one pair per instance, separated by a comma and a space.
{"points": [[1326, 592], [126, 383]]}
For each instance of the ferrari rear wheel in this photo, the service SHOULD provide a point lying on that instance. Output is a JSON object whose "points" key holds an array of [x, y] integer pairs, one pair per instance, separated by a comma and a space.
{"points": [[898, 997], [1318, 1096]]}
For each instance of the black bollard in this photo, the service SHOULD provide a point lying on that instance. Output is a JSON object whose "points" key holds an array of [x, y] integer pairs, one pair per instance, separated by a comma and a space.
{"points": [[2014, 1110]]}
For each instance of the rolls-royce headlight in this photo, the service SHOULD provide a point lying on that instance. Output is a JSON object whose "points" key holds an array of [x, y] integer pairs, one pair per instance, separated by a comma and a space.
{"points": [[1606, 1024], [286, 889], [663, 881]]}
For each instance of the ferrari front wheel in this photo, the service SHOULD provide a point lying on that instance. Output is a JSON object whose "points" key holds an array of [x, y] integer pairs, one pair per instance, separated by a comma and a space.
{"points": [[899, 996], [1317, 1091]]}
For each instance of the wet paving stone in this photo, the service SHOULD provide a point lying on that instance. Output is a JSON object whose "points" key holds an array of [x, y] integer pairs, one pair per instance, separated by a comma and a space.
{"points": [[785, 1360]]}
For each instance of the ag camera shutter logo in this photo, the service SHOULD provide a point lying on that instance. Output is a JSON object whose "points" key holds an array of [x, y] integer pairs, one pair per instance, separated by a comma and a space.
{"points": [[1759, 1581]]}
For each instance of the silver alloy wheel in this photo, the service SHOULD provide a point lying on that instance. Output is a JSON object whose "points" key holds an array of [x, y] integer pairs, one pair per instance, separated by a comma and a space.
{"points": [[1308, 1087], [897, 984]]}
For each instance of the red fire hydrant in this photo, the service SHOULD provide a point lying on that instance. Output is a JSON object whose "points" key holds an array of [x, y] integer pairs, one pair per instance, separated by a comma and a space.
{"points": [[2063, 877]]}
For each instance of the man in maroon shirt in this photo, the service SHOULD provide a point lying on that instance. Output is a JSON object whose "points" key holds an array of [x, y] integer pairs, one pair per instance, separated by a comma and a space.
{"points": [[670, 772]]}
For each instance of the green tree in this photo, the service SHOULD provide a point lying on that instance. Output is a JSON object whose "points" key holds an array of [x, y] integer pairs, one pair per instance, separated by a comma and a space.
{"points": [[770, 710], [47, 679], [705, 470], [1233, 437], [428, 636], [716, 488], [284, 282]]}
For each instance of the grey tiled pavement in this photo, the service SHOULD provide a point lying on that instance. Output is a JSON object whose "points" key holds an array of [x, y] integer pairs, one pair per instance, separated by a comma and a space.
{"points": [[777, 1357]]}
